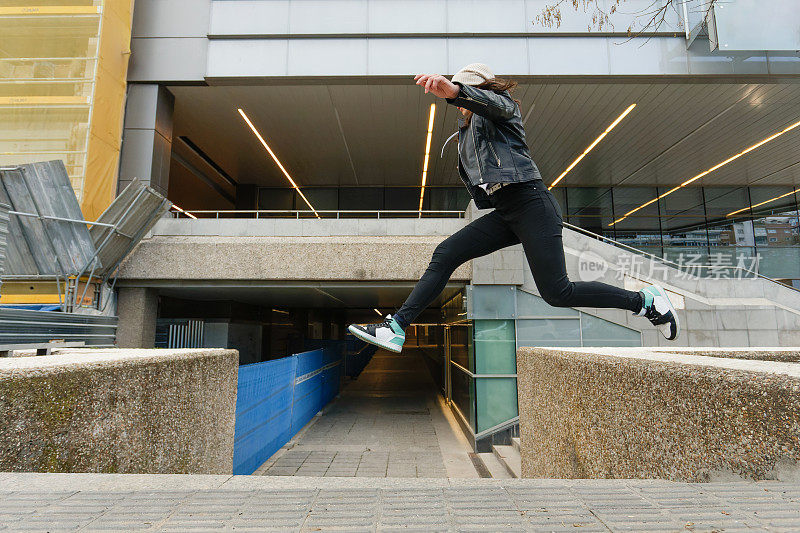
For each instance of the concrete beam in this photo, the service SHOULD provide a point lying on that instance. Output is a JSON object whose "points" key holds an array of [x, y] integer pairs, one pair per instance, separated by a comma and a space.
{"points": [[389, 258]]}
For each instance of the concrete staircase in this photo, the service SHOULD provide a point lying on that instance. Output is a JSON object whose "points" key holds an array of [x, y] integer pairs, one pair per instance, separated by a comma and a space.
{"points": [[504, 461], [713, 312]]}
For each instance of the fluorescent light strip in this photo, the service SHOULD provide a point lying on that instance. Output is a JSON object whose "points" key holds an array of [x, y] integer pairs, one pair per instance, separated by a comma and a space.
{"points": [[761, 203], [712, 169], [275, 158], [600, 138], [427, 154], [184, 212], [379, 313]]}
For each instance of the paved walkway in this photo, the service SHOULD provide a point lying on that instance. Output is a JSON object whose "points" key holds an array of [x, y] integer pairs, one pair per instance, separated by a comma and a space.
{"points": [[390, 422], [119, 502]]}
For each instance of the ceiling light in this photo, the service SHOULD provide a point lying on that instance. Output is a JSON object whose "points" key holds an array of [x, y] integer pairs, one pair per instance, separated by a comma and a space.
{"points": [[275, 158], [379, 313], [600, 138], [762, 203], [431, 114], [712, 169], [188, 214]]}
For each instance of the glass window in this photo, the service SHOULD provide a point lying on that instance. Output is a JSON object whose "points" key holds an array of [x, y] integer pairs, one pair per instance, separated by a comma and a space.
{"points": [[549, 332], [529, 305], [683, 224], [598, 332], [775, 231], [322, 198], [445, 199], [461, 348], [496, 401], [730, 235], [361, 198], [560, 194], [278, 198], [463, 394], [495, 349], [775, 217], [642, 229], [491, 301], [401, 198], [590, 208]]}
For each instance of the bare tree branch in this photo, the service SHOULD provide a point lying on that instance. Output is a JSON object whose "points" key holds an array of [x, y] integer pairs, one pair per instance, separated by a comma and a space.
{"points": [[649, 19]]}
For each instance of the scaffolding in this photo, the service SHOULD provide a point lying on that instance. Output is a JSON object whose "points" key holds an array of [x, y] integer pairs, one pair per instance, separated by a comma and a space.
{"points": [[63, 65], [50, 242]]}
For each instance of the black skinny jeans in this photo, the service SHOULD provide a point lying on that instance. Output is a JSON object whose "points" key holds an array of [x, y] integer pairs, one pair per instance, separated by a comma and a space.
{"points": [[524, 213]]}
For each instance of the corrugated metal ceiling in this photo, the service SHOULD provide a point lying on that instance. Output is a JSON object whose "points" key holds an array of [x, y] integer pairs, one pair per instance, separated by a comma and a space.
{"points": [[374, 133]]}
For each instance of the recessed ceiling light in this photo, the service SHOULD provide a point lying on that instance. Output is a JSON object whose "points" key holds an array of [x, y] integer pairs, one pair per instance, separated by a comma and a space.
{"points": [[712, 169], [275, 158], [431, 114], [760, 203], [600, 138]]}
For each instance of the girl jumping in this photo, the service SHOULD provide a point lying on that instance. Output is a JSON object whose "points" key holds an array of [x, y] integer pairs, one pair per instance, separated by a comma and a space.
{"points": [[497, 169]]}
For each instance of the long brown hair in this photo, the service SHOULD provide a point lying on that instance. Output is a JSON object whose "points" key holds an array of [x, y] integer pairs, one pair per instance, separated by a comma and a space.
{"points": [[498, 85]]}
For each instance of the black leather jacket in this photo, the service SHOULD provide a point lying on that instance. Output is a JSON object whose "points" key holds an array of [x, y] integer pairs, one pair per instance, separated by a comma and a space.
{"points": [[492, 147]]}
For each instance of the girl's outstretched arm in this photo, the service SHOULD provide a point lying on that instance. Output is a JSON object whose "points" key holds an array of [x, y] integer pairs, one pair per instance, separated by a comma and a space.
{"points": [[482, 102]]}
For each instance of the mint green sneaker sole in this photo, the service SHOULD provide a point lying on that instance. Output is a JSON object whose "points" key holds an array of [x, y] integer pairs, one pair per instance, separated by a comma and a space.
{"points": [[372, 340]]}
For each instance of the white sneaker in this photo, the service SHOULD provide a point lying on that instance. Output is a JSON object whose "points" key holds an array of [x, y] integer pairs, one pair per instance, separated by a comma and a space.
{"points": [[660, 311], [388, 334]]}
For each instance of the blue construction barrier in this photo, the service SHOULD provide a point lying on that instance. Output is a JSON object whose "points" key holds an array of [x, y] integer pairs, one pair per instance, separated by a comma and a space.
{"points": [[275, 399]]}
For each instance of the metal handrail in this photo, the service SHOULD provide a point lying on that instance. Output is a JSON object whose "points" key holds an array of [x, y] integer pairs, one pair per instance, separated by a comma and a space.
{"points": [[297, 212], [666, 261]]}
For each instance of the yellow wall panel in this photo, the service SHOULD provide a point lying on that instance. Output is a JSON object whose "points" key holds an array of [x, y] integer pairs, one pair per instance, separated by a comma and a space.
{"points": [[105, 135]]}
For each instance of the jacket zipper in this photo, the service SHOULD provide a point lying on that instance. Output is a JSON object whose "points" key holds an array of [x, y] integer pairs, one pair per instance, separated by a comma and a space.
{"points": [[491, 147], [475, 146]]}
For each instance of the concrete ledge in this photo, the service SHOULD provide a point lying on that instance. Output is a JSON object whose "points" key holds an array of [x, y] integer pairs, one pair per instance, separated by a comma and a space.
{"points": [[123, 411], [682, 415], [388, 258]]}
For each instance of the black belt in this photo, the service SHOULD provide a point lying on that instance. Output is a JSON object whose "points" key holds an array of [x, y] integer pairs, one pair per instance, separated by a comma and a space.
{"points": [[491, 189]]}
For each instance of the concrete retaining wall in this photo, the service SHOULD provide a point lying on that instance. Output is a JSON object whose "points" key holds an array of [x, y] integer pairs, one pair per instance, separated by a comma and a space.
{"points": [[653, 413], [126, 411]]}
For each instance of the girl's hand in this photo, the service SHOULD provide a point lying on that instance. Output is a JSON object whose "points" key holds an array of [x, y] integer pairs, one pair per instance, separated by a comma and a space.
{"points": [[438, 85]]}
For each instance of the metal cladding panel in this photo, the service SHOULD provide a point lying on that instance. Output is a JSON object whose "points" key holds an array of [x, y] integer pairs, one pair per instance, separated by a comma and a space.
{"points": [[19, 259], [55, 246], [4, 208], [747, 25], [135, 211], [22, 326]]}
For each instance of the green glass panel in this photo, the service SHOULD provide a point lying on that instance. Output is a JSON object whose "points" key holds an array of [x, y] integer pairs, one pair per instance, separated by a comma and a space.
{"points": [[463, 394], [496, 401], [775, 262], [492, 301], [549, 332], [599, 332], [495, 349], [461, 349], [530, 305]]}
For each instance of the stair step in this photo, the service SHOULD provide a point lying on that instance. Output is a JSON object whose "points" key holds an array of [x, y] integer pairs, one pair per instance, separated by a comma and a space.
{"points": [[494, 466], [510, 458], [515, 443]]}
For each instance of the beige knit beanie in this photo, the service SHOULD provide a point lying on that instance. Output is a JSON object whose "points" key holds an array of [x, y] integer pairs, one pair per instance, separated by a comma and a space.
{"points": [[473, 74]]}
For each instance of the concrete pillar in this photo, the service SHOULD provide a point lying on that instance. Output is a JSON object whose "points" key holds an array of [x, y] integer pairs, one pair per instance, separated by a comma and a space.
{"points": [[147, 136], [137, 308]]}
